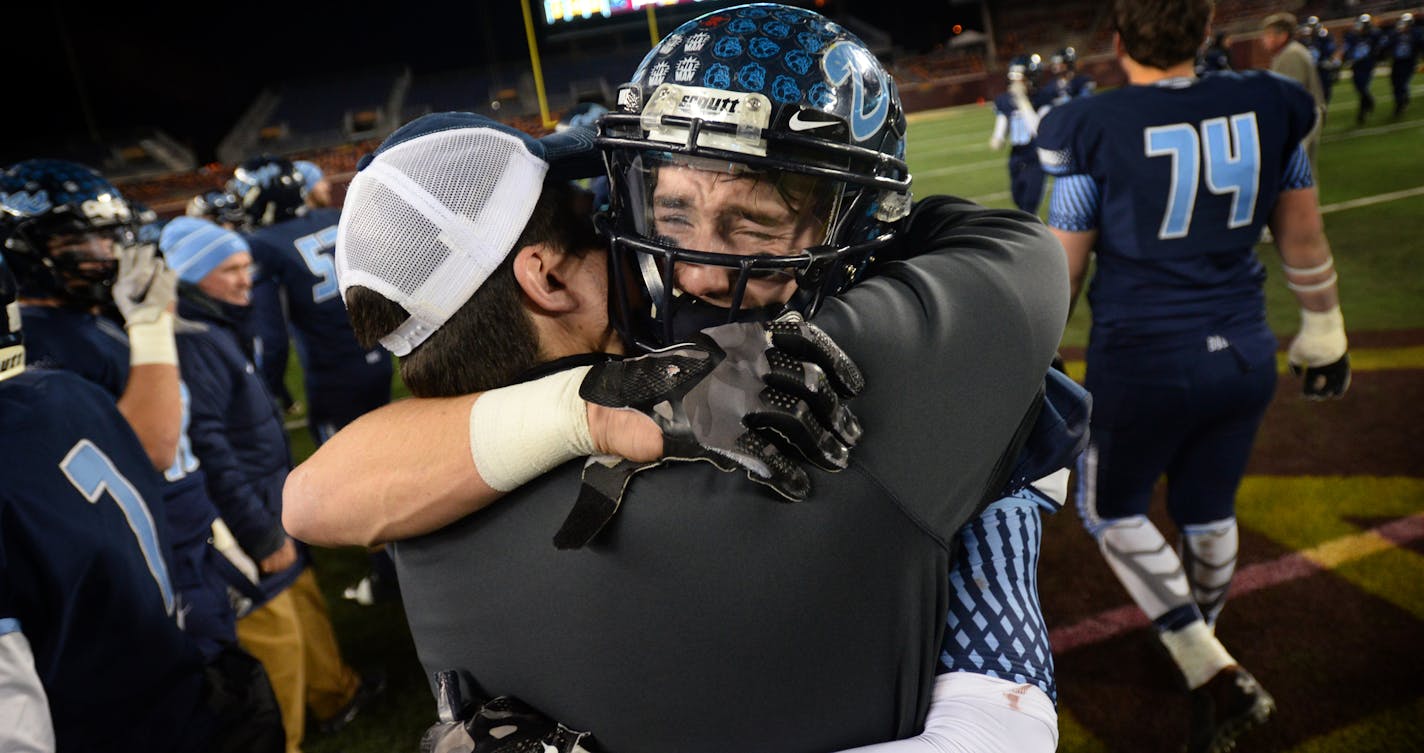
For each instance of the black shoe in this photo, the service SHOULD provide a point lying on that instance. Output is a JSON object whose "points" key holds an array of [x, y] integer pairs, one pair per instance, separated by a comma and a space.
{"points": [[373, 684], [1224, 708]]}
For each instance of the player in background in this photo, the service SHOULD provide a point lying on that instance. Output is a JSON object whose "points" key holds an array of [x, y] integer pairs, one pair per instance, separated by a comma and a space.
{"points": [[1292, 59], [1064, 80], [91, 647], [1017, 112], [1321, 44], [1360, 49], [1403, 46], [1167, 182], [1215, 56], [70, 241]]}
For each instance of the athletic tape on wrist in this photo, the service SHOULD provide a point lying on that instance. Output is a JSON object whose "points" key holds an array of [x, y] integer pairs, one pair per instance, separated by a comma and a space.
{"points": [[1314, 287], [1322, 338], [519, 432], [1328, 263], [152, 342]]}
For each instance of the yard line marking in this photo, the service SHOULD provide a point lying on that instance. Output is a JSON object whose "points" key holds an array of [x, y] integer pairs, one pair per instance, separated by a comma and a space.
{"points": [[1344, 104], [1361, 360], [1342, 136], [967, 167], [1331, 554], [1365, 201], [990, 197]]}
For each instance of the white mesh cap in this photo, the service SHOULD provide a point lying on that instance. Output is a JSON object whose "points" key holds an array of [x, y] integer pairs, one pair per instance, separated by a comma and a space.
{"points": [[433, 213]]}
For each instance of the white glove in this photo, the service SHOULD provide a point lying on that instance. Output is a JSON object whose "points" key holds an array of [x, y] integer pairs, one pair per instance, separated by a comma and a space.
{"points": [[1321, 340], [145, 288], [996, 143]]}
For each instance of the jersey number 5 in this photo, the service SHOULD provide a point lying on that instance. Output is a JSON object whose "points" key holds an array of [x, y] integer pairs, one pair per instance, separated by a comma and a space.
{"points": [[93, 473], [315, 250], [1233, 165]]}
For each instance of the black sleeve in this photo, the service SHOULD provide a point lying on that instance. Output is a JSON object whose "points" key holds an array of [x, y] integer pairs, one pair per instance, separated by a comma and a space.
{"points": [[954, 339]]}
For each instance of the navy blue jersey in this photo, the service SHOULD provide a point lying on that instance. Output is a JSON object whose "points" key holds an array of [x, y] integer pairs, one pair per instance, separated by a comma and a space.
{"points": [[1322, 48], [93, 347], [1060, 90], [1404, 46], [1178, 178], [97, 349], [1362, 48], [1213, 59], [84, 570], [296, 256], [1020, 134]]}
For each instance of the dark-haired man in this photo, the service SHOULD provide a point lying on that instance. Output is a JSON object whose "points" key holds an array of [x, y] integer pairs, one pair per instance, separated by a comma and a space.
{"points": [[1169, 181]]}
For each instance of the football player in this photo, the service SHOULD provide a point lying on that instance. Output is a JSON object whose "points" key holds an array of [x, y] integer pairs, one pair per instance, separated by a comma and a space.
{"points": [[1361, 50], [789, 168], [1168, 181], [70, 241], [91, 647], [291, 251], [1215, 56], [1404, 46], [218, 206], [318, 187], [1016, 118], [1321, 44], [1064, 80]]}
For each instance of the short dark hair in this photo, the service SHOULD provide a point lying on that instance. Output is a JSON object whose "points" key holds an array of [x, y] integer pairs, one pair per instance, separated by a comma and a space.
{"points": [[490, 341], [1162, 33]]}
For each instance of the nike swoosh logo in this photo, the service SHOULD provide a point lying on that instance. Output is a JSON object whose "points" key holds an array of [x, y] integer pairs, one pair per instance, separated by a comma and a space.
{"points": [[797, 124]]}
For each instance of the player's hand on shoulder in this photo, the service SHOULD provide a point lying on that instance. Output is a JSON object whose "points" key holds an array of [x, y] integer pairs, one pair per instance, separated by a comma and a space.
{"points": [[751, 395]]}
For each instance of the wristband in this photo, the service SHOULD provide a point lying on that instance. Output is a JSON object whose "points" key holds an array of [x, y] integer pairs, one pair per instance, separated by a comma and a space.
{"points": [[152, 342], [519, 432]]}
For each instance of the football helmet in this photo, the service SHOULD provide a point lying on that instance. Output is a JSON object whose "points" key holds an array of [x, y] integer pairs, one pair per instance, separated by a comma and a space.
{"points": [[218, 206], [269, 189], [1063, 61], [62, 222], [1364, 22], [1405, 21], [1026, 68], [784, 99]]}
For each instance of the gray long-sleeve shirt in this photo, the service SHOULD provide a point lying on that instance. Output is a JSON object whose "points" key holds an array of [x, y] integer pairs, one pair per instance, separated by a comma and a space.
{"points": [[709, 616]]}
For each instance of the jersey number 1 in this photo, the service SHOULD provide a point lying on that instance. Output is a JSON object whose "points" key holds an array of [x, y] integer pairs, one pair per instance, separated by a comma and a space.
{"points": [[1236, 171], [93, 473]]}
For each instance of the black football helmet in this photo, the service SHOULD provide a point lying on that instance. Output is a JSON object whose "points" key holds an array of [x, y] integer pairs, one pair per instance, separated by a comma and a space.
{"points": [[47, 202], [12, 339], [268, 189], [220, 207], [785, 97], [1063, 61]]}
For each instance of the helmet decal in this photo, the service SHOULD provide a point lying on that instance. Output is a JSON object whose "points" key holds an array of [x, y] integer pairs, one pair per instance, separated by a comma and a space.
{"points": [[843, 61]]}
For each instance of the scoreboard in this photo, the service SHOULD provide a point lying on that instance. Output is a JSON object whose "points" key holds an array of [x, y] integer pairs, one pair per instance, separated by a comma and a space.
{"points": [[560, 11]]}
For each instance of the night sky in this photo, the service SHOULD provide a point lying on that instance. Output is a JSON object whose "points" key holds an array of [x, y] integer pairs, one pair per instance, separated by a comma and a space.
{"points": [[193, 71]]}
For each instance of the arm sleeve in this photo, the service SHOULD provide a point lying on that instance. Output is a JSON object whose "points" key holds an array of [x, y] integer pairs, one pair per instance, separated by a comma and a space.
{"points": [[1001, 127], [1297, 173], [1074, 203], [25, 724], [256, 529], [954, 335]]}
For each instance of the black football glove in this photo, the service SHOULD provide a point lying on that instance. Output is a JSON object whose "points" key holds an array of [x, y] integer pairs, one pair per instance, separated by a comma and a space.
{"points": [[743, 395], [500, 725], [1324, 382]]}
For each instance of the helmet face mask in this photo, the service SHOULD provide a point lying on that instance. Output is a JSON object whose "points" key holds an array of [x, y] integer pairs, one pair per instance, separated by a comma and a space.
{"points": [[65, 224], [759, 151]]}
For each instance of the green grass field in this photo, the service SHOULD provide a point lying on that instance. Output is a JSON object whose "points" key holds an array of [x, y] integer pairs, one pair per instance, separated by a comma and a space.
{"points": [[1372, 191]]}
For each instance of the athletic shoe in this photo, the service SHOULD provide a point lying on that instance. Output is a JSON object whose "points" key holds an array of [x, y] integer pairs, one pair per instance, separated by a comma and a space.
{"points": [[373, 684], [1225, 707]]}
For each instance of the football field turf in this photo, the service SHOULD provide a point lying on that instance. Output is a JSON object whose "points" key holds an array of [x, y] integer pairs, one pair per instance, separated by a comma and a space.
{"points": [[1328, 606]]}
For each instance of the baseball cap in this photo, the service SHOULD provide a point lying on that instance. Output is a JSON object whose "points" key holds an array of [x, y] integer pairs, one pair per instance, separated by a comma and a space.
{"points": [[438, 206], [193, 246]]}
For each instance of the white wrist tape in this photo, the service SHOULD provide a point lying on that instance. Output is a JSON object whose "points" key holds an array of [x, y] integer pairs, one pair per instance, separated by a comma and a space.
{"points": [[1327, 264], [1321, 341], [519, 432], [152, 342], [1314, 287]]}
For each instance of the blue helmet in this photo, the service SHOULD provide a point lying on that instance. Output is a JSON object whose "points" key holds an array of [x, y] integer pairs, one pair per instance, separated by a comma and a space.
{"points": [[1026, 68], [269, 189], [780, 92], [48, 199], [1065, 59], [12, 339]]}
